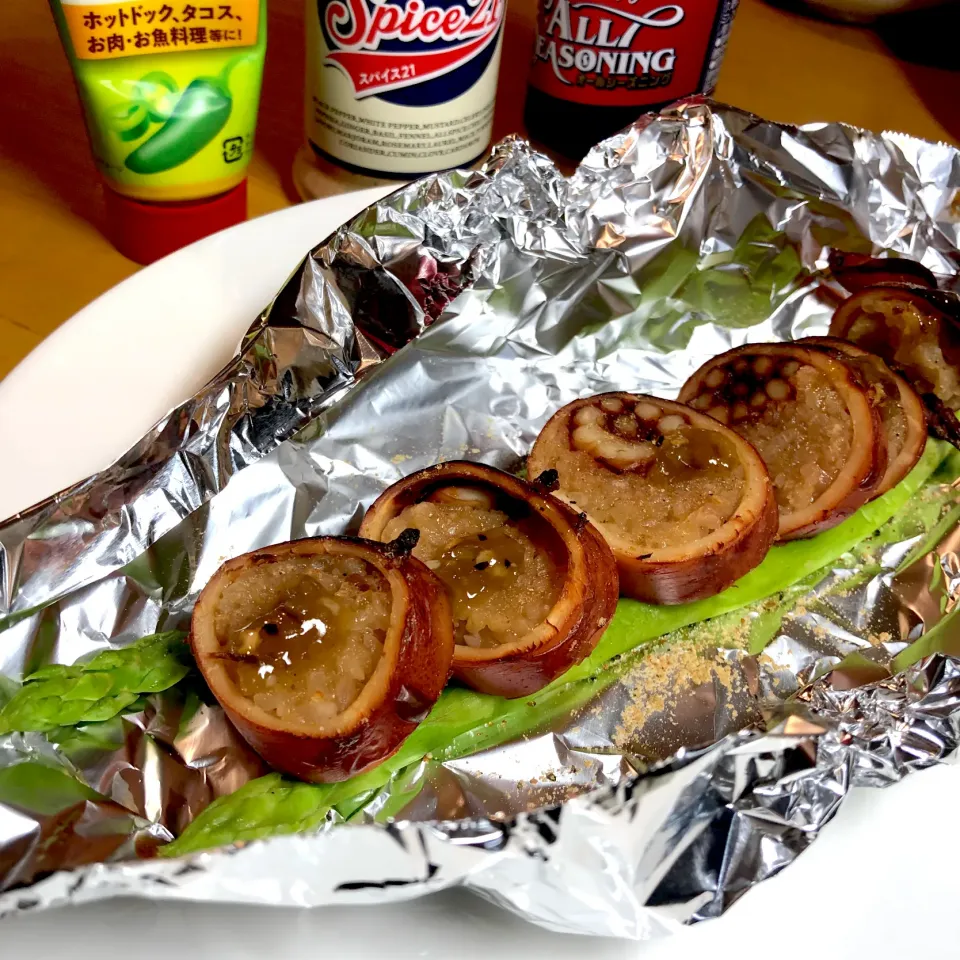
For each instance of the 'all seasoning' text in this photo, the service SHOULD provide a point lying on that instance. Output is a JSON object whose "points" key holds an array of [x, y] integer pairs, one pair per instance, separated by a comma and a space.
{"points": [[599, 44]]}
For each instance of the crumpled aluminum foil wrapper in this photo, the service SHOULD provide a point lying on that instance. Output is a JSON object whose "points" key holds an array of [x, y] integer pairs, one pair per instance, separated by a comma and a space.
{"points": [[520, 290]]}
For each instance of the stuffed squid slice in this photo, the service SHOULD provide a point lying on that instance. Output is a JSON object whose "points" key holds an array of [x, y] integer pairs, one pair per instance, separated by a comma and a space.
{"points": [[900, 408], [686, 504], [325, 654], [915, 330], [809, 417], [531, 583]]}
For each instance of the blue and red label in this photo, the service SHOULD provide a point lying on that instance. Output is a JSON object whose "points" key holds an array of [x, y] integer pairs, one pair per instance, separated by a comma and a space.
{"points": [[413, 53]]}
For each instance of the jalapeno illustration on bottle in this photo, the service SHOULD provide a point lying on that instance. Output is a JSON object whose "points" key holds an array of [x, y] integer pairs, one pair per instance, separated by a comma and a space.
{"points": [[198, 116], [129, 121], [170, 111], [157, 90]]}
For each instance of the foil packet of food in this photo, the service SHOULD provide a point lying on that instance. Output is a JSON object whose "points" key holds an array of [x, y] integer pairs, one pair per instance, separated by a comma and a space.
{"points": [[450, 320]]}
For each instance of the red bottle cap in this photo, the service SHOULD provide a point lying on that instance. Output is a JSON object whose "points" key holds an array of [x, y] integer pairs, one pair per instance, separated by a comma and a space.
{"points": [[145, 232]]}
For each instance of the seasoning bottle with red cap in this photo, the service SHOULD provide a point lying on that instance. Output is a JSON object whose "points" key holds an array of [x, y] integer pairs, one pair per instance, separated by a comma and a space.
{"points": [[598, 66], [170, 93]]}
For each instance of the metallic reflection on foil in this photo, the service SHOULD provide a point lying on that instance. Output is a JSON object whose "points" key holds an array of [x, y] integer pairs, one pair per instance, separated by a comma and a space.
{"points": [[523, 290]]}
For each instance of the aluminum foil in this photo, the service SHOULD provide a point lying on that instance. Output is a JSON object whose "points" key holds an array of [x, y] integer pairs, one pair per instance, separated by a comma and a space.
{"points": [[450, 320]]}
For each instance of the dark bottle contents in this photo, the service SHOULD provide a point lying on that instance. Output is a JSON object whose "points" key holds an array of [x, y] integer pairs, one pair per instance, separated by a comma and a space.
{"points": [[598, 66]]}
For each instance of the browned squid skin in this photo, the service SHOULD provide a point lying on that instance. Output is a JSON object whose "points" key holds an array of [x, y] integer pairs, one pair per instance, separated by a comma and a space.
{"points": [[422, 649], [574, 635], [868, 454], [855, 271], [743, 543], [860, 376], [707, 574], [587, 599], [892, 334], [889, 333], [941, 420], [877, 374]]}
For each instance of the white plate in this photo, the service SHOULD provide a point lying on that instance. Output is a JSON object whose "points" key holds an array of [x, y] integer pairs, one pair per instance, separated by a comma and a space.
{"points": [[101, 380], [880, 883]]}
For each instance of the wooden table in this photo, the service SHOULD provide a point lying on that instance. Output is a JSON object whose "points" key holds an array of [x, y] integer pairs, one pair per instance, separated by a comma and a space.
{"points": [[54, 259]]}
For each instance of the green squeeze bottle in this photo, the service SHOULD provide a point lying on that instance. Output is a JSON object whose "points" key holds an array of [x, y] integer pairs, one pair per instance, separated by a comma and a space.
{"points": [[170, 92]]}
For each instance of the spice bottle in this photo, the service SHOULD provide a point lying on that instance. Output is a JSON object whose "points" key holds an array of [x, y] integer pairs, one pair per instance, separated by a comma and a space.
{"points": [[399, 89]]}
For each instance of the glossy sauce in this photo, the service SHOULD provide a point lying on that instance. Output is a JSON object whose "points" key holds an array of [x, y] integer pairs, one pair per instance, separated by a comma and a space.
{"points": [[308, 657], [502, 574], [680, 485]]}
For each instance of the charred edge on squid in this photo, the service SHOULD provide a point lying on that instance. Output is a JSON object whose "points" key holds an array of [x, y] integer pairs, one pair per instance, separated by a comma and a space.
{"points": [[477, 525]]}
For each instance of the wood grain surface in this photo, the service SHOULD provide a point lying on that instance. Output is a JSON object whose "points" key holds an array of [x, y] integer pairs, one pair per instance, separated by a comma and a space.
{"points": [[54, 258]]}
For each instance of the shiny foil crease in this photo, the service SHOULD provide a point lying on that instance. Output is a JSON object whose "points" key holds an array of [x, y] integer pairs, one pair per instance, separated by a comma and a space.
{"points": [[520, 290]]}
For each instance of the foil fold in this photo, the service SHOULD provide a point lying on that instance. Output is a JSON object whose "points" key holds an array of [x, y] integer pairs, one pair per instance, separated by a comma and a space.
{"points": [[449, 321]]}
